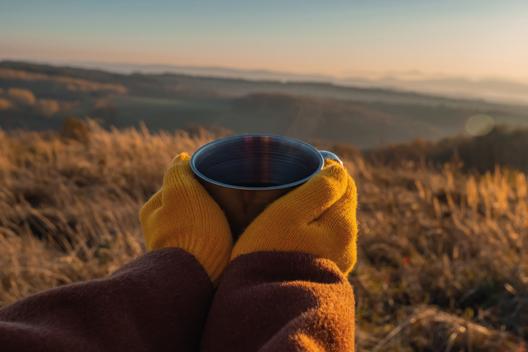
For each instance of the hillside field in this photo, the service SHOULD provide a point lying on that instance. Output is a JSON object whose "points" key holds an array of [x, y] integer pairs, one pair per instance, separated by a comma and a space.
{"points": [[442, 250]]}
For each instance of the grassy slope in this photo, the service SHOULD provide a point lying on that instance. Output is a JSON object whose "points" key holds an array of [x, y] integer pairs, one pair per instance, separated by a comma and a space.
{"points": [[442, 254], [502, 146]]}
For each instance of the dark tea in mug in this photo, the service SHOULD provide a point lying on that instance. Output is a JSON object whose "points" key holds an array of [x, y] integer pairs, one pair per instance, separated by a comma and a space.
{"points": [[245, 173]]}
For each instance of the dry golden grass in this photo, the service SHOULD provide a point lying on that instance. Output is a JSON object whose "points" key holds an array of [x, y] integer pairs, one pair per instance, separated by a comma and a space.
{"points": [[443, 263]]}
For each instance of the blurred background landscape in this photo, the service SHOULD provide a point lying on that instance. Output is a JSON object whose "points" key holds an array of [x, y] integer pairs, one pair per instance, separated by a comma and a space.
{"points": [[427, 103]]}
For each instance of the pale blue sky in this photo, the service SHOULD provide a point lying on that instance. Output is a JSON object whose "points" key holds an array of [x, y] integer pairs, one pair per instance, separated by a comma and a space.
{"points": [[474, 38]]}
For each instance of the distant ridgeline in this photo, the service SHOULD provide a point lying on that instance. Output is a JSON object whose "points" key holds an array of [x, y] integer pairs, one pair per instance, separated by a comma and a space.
{"points": [[40, 97]]}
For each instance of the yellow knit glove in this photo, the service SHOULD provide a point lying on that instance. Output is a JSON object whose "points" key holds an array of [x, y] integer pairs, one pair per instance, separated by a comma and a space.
{"points": [[318, 218], [183, 215]]}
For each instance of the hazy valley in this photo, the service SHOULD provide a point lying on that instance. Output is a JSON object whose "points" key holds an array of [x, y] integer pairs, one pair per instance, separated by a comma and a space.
{"points": [[40, 97]]}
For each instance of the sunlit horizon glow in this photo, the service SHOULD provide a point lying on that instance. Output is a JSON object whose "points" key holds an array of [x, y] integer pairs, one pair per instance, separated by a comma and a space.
{"points": [[466, 38]]}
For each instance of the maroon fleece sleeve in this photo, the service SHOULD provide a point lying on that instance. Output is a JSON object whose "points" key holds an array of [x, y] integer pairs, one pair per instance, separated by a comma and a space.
{"points": [[273, 301], [158, 302]]}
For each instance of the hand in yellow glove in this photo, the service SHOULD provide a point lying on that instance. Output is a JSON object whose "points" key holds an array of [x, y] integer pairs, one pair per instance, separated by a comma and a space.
{"points": [[318, 218], [183, 215]]}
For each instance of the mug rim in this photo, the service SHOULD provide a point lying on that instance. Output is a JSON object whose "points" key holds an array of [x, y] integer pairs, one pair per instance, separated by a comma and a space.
{"points": [[200, 150]]}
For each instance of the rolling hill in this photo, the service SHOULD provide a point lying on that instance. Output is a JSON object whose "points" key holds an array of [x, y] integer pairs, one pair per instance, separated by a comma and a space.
{"points": [[40, 97]]}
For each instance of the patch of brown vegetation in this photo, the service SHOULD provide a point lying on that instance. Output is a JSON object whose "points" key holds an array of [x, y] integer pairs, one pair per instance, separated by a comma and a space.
{"points": [[5, 104], [21, 96], [72, 84]]}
